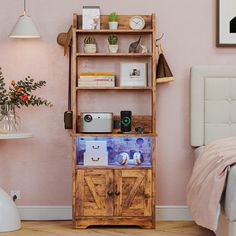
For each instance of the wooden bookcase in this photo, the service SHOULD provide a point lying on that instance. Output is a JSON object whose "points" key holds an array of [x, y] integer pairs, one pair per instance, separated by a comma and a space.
{"points": [[115, 195]]}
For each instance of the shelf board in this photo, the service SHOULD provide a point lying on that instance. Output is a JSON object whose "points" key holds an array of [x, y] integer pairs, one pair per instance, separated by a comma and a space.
{"points": [[114, 88], [118, 31], [111, 134], [113, 54], [114, 167], [165, 80]]}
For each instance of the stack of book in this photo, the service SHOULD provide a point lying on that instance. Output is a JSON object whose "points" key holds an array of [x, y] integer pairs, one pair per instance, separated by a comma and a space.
{"points": [[96, 79]]}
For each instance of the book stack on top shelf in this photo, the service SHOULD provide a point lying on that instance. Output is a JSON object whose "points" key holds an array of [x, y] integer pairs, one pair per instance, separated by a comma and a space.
{"points": [[96, 79]]}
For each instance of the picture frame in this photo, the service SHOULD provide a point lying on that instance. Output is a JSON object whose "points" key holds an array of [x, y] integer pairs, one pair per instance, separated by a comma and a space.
{"points": [[133, 74], [91, 18], [226, 23]]}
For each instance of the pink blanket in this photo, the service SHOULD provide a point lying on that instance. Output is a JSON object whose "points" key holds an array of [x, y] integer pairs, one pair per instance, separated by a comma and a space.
{"points": [[207, 182]]}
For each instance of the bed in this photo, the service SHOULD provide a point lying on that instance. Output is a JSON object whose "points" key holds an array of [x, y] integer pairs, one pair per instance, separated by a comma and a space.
{"points": [[213, 117]]}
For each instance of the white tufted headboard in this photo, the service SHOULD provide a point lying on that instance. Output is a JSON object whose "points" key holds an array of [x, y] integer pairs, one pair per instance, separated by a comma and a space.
{"points": [[213, 103]]}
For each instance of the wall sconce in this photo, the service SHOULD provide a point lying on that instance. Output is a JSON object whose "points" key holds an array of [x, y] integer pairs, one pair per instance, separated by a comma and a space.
{"points": [[24, 27]]}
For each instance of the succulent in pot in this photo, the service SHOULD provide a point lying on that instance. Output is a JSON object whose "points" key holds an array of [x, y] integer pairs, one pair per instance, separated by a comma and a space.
{"points": [[113, 21], [113, 43], [90, 45]]}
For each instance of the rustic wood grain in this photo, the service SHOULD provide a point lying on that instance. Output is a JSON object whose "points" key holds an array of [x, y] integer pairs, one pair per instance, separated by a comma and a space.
{"points": [[99, 54], [91, 192], [123, 21], [109, 195], [154, 118], [137, 121], [136, 196], [84, 222], [117, 31]]}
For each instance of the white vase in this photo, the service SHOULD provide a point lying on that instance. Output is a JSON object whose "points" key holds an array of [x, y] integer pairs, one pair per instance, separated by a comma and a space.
{"points": [[113, 25], [113, 48], [90, 48]]}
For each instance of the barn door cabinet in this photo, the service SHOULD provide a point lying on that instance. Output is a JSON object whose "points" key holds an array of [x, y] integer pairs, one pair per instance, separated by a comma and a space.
{"points": [[115, 194]]}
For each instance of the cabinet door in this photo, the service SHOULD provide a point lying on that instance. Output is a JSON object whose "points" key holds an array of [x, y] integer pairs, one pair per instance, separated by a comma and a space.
{"points": [[94, 189], [133, 190]]}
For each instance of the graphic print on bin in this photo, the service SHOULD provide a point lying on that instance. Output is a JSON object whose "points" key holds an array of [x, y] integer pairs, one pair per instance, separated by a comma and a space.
{"points": [[96, 153], [137, 149]]}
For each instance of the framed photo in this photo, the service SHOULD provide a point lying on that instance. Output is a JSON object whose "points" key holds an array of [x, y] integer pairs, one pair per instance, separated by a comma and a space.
{"points": [[133, 74], [226, 23], [91, 17]]}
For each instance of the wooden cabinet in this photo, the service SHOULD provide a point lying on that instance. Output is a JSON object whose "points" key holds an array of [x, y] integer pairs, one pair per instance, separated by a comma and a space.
{"points": [[133, 193], [103, 192], [94, 193], [115, 194]]}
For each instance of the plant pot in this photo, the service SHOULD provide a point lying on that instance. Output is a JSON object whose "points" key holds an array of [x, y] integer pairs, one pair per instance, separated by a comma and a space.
{"points": [[90, 48], [113, 25], [113, 48]]}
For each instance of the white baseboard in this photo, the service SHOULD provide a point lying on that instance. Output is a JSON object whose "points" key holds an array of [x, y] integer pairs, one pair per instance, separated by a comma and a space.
{"points": [[45, 212], [174, 213]]}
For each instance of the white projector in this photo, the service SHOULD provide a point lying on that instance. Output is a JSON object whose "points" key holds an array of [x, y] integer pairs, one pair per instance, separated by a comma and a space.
{"points": [[96, 122]]}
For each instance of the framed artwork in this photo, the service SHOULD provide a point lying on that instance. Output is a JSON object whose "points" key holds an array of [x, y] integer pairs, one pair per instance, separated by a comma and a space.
{"points": [[133, 74], [226, 23], [91, 17]]}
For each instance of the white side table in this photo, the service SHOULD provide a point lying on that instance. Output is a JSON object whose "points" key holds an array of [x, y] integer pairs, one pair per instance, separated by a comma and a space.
{"points": [[9, 215]]}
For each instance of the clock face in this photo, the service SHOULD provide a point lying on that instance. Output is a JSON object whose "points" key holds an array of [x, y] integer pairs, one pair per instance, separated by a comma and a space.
{"points": [[136, 23]]}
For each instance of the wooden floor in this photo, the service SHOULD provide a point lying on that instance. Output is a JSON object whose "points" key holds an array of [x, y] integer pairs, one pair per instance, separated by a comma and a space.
{"points": [[64, 228]]}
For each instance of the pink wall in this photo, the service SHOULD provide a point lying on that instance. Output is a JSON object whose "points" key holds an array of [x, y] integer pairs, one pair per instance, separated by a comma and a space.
{"points": [[41, 167]]}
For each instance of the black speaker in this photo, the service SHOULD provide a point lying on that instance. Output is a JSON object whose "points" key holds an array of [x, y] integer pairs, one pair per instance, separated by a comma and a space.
{"points": [[125, 121]]}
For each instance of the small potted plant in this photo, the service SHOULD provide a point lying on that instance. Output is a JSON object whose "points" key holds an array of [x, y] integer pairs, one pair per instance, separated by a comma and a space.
{"points": [[90, 45], [113, 21], [113, 43]]}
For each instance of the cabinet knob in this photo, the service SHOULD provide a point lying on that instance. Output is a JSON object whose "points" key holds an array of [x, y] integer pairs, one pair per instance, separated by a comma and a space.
{"points": [[147, 196], [110, 193], [117, 193]]}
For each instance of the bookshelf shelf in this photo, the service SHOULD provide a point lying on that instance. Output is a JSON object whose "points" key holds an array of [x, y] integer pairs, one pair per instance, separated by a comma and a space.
{"points": [[113, 88], [113, 167], [112, 134], [117, 188], [118, 31], [165, 80], [113, 54]]}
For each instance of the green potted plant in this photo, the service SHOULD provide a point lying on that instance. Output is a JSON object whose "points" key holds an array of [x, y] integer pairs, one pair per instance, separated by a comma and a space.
{"points": [[90, 45], [113, 43], [113, 21]]}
